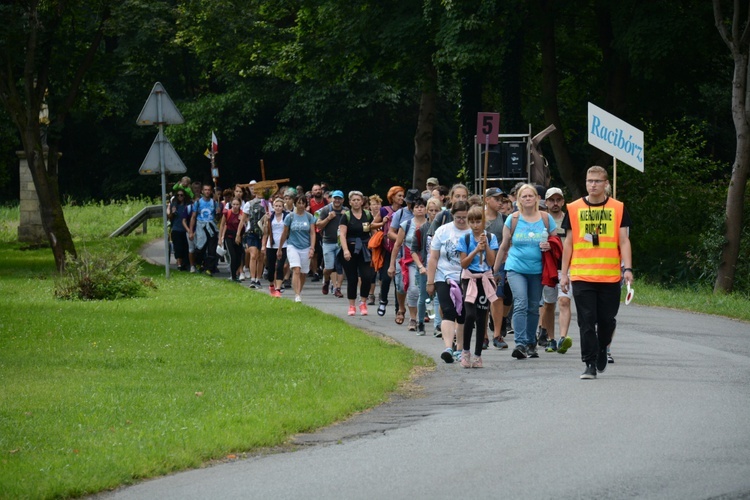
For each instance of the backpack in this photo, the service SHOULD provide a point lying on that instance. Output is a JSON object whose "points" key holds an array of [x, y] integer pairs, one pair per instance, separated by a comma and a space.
{"points": [[514, 222], [254, 217], [387, 242]]}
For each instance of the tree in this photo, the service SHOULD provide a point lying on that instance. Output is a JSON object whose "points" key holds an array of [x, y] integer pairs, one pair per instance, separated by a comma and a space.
{"points": [[736, 35], [46, 49]]}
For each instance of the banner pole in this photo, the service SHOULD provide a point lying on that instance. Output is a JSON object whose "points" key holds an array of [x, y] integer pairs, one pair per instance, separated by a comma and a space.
{"points": [[614, 175]]}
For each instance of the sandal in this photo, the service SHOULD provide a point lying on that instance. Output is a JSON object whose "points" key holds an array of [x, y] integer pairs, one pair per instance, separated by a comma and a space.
{"points": [[412, 325], [381, 308], [400, 316]]}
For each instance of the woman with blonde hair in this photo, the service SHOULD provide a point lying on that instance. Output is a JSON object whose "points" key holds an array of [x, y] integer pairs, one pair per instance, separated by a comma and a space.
{"points": [[524, 239]]}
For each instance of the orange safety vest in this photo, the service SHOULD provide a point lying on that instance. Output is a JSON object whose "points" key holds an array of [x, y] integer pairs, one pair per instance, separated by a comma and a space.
{"points": [[595, 263]]}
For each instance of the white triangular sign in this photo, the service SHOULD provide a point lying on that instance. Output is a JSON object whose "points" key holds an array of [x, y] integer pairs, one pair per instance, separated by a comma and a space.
{"points": [[172, 162], [170, 115]]}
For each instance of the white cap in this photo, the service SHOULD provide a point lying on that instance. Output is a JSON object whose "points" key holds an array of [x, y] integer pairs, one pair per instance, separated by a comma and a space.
{"points": [[553, 191], [252, 182]]}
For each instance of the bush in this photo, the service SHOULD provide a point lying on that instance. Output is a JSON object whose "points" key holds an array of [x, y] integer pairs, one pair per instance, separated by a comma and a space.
{"points": [[109, 275]]}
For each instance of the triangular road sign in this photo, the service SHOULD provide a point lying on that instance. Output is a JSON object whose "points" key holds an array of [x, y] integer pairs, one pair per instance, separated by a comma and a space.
{"points": [[172, 162], [170, 115]]}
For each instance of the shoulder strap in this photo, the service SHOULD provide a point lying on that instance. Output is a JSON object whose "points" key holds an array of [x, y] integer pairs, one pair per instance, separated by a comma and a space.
{"points": [[514, 223], [545, 219]]}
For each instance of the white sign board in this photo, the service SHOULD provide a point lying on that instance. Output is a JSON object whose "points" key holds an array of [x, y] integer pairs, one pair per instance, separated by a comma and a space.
{"points": [[159, 108], [616, 137]]}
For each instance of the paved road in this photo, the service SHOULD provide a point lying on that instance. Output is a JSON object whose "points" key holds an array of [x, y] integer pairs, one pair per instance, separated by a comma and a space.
{"points": [[668, 420]]}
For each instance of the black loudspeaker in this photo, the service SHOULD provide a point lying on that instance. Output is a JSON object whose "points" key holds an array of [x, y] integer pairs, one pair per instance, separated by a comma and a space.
{"points": [[494, 164], [514, 159]]}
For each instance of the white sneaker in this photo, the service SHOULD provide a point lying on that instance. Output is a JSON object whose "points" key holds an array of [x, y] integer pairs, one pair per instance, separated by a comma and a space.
{"points": [[247, 274], [241, 276], [298, 298], [192, 269]]}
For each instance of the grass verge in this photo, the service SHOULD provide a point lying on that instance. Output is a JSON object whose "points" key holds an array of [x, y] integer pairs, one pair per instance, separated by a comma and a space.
{"points": [[103, 393], [701, 300]]}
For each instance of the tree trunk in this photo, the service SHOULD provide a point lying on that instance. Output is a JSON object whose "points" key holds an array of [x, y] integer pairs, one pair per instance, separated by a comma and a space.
{"points": [[50, 207], [549, 99], [736, 193], [738, 42], [423, 139]]}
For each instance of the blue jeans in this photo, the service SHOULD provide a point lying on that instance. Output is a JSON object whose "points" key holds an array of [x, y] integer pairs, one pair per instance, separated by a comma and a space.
{"points": [[527, 290]]}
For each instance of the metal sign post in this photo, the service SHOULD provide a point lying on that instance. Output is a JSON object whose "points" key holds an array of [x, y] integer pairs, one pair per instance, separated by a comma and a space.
{"points": [[160, 110]]}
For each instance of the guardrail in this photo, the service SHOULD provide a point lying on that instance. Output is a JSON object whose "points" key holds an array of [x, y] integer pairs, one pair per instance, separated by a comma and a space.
{"points": [[142, 217]]}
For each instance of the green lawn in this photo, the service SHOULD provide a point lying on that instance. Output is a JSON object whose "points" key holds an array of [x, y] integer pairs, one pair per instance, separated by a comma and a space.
{"points": [[99, 394]]}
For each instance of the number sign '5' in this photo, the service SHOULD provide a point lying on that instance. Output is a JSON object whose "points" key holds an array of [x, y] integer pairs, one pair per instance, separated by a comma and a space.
{"points": [[488, 128]]}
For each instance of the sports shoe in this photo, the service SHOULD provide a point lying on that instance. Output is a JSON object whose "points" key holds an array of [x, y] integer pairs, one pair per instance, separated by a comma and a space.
{"points": [[252, 284], [258, 285], [287, 282], [363, 309], [337, 292], [486, 343], [352, 311], [412, 325], [564, 344], [551, 346], [241, 276], [465, 359], [438, 333], [420, 330], [315, 278], [519, 352], [499, 343], [271, 288], [447, 355], [326, 286], [476, 362], [370, 300], [247, 274], [297, 298], [531, 352], [589, 373], [610, 359], [542, 340], [601, 360], [276, 293]]}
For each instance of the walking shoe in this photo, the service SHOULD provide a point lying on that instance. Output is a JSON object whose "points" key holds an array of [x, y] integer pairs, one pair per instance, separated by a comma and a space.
{"points": [[276, 293], [456, 355], [315, 278], [241, 276], [486, 343], [337, 292], [363, 309], [381, 308], [499, 343], [370, 300], [465, 359], [447, 355], [297, 298], [420, 330], [531, 352], [542, 339], [601, 360], [519, 352], [438, 333], [564, 344], [326, 286], [412, 325], [589, 373], [287, 283], [551, 346], [476, 362], [192, 269], [247, 274], [271, 288], [352, 311], [252, 284], [610, 359]]}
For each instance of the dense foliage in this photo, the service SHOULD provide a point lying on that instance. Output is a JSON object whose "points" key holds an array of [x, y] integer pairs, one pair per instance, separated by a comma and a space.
{"points": [[331, 90]]}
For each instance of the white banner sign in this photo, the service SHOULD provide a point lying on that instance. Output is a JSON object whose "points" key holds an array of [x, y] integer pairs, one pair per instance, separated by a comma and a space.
{"points": [[616, 137]]}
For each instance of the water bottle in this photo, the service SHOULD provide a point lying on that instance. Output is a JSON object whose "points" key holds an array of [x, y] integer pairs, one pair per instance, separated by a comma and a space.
{"points": [[429, 308], [545, 235]]}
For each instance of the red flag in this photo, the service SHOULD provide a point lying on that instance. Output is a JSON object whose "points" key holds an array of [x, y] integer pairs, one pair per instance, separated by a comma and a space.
{"points": [[214, 143]]}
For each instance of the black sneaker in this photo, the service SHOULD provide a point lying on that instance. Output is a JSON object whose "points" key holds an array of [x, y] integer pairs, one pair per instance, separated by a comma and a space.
{"points": [[601, 359], [519, 352], [542, 340], [447, 355], [438, 333], [610, 359], [589, 373], [531, 352]]}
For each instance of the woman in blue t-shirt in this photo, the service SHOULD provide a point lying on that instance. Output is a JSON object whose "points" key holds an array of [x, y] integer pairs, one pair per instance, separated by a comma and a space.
{"points": [[526, 234], [299, 235]]}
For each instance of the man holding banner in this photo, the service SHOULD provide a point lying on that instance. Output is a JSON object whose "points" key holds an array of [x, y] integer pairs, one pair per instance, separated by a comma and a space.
{"points": [[596, 244]]}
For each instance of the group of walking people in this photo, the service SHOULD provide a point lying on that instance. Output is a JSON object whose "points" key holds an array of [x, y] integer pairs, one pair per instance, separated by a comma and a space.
{"points": [[502, 259]]}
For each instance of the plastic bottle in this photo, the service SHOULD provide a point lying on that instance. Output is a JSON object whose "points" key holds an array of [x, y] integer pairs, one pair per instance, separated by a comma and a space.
{"points": [[429, 308]]}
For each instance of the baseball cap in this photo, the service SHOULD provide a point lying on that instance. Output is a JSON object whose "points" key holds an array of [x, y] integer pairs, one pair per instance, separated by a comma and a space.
{"points": [[493, 191], [553, 191], [433, 180], [337, 194]]}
